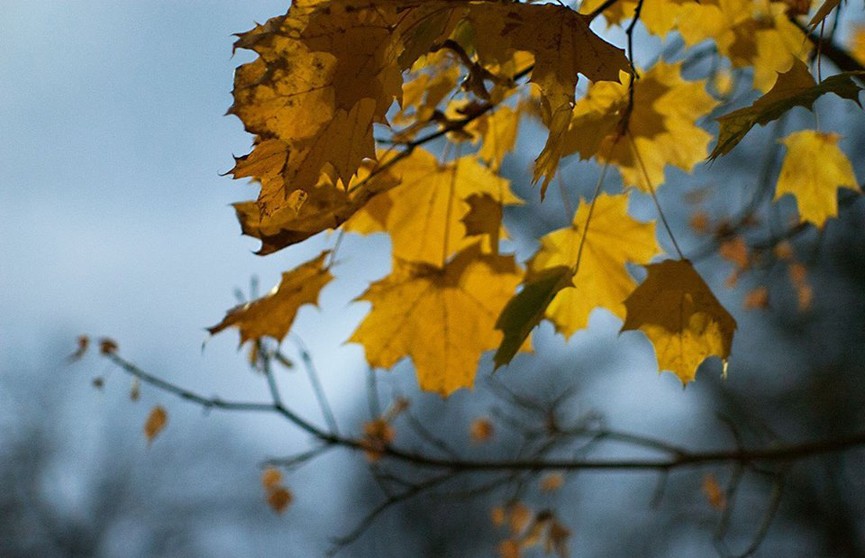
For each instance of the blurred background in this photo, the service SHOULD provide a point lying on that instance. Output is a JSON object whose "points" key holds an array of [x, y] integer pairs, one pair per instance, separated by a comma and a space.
{"points": [[115, 220]]}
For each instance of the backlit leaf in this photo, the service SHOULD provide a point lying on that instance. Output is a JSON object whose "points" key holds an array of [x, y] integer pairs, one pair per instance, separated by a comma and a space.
{"points": [[563, 47], [662, 125], [273, 314], [425, 214], [442, 318], [684, 321], [156, 421], [813, 170], [613, 239]]}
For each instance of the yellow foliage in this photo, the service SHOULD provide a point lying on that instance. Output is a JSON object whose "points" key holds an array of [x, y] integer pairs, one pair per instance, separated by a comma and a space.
{"points": [[813, 170], [662, 125]]}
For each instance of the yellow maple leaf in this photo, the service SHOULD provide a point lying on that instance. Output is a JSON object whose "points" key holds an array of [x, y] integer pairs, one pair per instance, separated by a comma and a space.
{"points": [[442, 318], [684, 321], [424, 215], [273, 314], [662, 125], [813, 170], [613, 239]]}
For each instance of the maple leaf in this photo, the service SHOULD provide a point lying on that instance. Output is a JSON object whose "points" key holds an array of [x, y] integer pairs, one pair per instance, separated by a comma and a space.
{"points": [[684, 321], [424, 215], [813, 170], [794, 88], [661, 125], [601, 279], [273, 314], [326, 72], [156, 421], [563, 47], [325, 207], [440, 317]]}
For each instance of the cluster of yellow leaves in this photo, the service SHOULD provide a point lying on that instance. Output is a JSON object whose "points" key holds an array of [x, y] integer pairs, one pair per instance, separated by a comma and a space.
{"points": [[328, 73], [750, 33], [661, 125]]}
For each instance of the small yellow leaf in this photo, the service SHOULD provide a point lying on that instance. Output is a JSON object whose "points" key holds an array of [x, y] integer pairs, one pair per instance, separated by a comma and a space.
{"points": [[735, 250], [425, 214], [497, 516], [481, 430], [273, 314], [377, 435], [509, 548], [107, 346], [156, 421], [677, 311], [713, 492], [83, 343], [813, 170], [271, 478], [519, 517], [552, 482], [662, 125], [279, 499], [757, 299]]}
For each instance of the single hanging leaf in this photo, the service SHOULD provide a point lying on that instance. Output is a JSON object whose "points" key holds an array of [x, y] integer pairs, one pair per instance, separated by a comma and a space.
{"points": [[613, 240], [813, 170], [273, 314], [794, 88], [156, 421], [677, 311], [442, 318], [526, 309]]}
